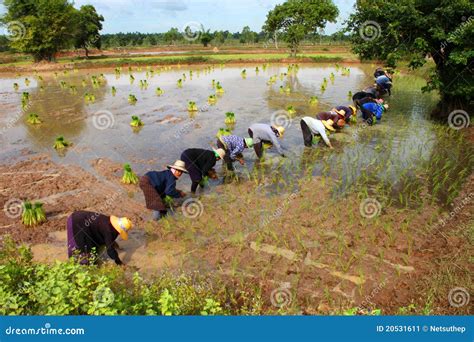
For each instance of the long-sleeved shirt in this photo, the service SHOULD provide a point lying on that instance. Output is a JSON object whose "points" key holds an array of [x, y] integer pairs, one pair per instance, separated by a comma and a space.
{"points": [[382, 80], [198, 163], [234, 144], [328, 116], [317, 127], [164, 182], [263, 132], [375, 108], [93, 230]]}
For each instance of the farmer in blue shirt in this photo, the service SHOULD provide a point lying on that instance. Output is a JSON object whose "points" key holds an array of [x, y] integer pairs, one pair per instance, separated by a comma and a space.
{"points": [[233, 147], [373, 109], [157, 185], [384, 84]]}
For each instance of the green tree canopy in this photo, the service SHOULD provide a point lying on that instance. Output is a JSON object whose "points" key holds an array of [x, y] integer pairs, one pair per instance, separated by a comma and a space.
{"points": [[248, 36], [88, 26], [296, 18], [421, 29], [43, 26]]}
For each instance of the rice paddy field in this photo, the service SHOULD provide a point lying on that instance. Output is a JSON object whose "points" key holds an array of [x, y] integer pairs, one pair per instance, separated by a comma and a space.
{"points": [[381, 224]]}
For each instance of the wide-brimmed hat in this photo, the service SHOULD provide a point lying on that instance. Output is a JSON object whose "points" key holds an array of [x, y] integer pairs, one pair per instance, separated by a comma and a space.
{"points": [[220, 152], [340, 112], [354, 110], [178, 165], [280, 129], [121, 225], [328, 124], [249, 142]]}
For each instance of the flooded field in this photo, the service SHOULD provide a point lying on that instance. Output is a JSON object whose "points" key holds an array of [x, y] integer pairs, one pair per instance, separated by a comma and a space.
{"points": [[275, 223]]}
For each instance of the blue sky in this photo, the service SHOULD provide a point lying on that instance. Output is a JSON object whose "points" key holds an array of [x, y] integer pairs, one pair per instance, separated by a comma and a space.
{"points": [[160, 15]]}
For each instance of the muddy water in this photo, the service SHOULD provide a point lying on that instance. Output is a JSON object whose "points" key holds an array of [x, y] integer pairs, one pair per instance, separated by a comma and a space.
{"points": [[169, 128]]}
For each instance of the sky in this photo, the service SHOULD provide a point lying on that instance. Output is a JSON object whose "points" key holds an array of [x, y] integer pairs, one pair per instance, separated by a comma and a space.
{"points": [[150, 16]]}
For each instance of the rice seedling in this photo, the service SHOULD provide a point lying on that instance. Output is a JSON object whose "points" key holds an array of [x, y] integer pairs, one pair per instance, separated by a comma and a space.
{"points": [[323, 87], [63, 85], [89, 98], [257, 70], [243, 73], [291, 110], [143, 84], [131, 79], [33, 119], [349, 95], [41, 88], [28, 217], [25, 98], [159, 91], [264, 66], [132, 99], [313, 100], [27, 82], [212, 99], [180, 83], [222, 132], [73, 89], [184, 77], [60, 143], [113, 90], [213, 84], [118, 70], [219, 89], [331, 77], [39, 213], [136, 122], [84, 83], [16, 86], [229, 118], [192, 106], [129, 177]]}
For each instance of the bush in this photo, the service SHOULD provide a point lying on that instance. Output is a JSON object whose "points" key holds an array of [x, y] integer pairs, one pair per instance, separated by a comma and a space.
{"points": [[68, 288]]}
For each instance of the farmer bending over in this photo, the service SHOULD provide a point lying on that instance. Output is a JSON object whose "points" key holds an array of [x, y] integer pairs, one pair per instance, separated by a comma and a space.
{"points": [[335, 118], [88, 231], [349, 111], [311, 127], [233, 147], [373, 109], [384, 84], [200, 164], [266, 134], [159, 186]]}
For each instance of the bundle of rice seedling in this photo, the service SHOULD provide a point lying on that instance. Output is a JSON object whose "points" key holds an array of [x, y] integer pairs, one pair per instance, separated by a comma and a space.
{"points": [[61, 143], [129, 177], [33, 119], [136, 122]]}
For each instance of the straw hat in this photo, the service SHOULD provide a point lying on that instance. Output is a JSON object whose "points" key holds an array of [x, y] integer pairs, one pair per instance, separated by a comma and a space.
{"points": [[280, 129], [328, 124], [340, 112], [220, 152], [178, 165], [354, 110], [121, 225], [249, 142]]}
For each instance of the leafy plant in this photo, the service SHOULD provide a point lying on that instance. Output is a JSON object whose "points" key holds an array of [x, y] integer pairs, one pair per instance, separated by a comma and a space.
{"points": [[28, 217], [313, 100], [114, 91], [212, 99], [60, 143], [90, 98], [159, 91], [229, 118], [39, 213], [219, 89], [33, 119], [243, 73], [27, 82], [192, 106], [25, 98], [180, 83], [223, 131], [129, 177], [291, 110], [16, 86]]}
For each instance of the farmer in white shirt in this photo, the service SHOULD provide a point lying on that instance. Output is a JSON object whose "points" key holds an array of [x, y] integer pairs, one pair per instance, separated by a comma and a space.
{"points": [[311, 127]]}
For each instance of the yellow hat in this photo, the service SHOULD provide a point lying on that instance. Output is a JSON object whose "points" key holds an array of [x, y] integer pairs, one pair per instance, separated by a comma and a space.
{"points": [[122, 225], [328, 124], [354, 110], [280, 129], [340, 112]]}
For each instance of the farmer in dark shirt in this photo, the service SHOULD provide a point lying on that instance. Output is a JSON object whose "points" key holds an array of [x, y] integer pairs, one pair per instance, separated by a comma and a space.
{"points": [[157, 185], [88, 231], [200, 163], [349, 111]]}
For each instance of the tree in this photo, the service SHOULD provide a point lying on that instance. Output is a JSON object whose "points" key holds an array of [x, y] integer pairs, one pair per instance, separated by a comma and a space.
{"points": [[43, 26], [296, 18], [219, 38], [206, 38], [417, 29], [172, 36], [89, 24], [247, 35]]}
